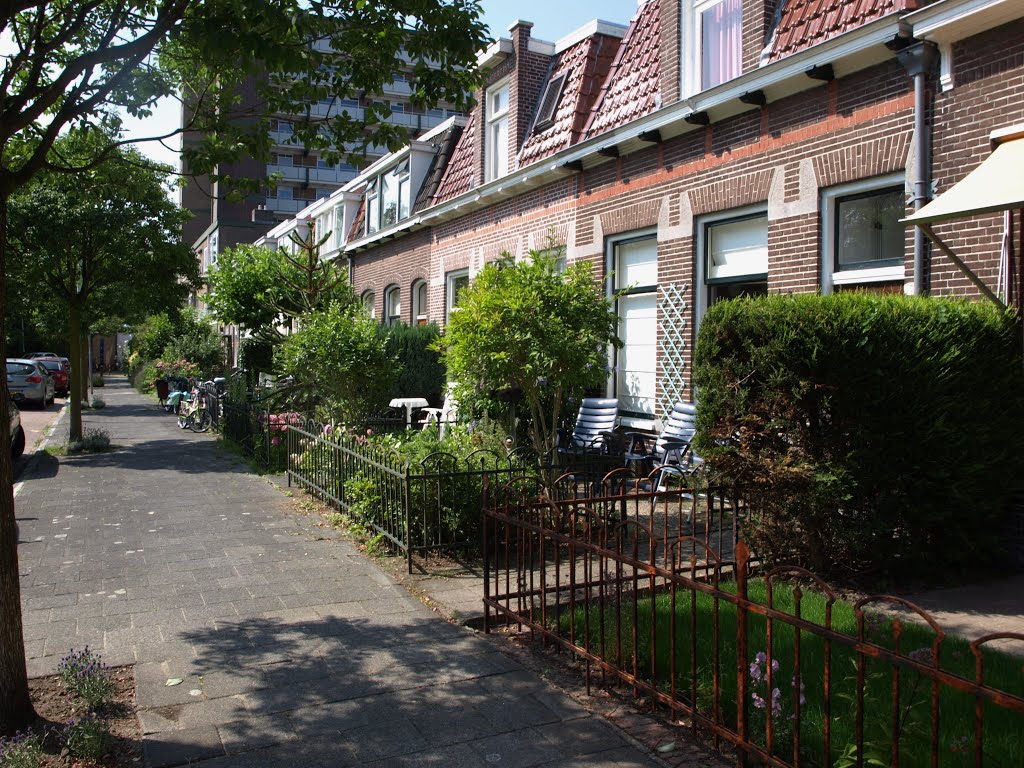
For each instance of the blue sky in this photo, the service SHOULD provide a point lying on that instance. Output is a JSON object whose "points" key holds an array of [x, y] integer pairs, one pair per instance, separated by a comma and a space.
{"points": [[552, 19]]}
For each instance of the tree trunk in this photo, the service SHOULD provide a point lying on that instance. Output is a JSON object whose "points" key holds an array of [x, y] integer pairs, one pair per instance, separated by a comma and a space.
{"points": [[78, 372], [16, 710]]}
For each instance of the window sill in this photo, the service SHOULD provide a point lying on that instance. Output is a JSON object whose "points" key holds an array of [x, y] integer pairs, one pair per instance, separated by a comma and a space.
{"points": [[876, 275]]}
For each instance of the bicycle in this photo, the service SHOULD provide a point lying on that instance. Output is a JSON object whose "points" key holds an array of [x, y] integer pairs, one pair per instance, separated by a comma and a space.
{"points": [[193, 413]]}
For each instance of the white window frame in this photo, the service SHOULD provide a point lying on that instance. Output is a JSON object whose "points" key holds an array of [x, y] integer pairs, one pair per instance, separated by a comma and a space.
{"points": [[392, 305], [691, 62], [495, 164], [449, 290], [830, 276], [369, 301], [611, 245], [420, 304], [700, 269]]}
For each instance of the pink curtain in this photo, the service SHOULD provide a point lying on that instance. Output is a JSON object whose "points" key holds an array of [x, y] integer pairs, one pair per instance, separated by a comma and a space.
{"points": [[721, 42]]}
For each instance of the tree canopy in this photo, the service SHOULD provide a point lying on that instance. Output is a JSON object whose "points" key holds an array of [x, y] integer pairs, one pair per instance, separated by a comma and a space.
{"points": [[105, 244], [261, 289]]}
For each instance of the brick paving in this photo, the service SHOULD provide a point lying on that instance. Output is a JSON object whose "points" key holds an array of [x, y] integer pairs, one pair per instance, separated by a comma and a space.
{"points": [[292, 648]]}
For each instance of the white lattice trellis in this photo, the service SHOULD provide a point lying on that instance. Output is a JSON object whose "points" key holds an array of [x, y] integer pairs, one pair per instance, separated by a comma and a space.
{"points": [[673, 341]]}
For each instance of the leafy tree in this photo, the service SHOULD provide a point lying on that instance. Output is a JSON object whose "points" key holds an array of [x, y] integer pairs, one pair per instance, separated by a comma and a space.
{"points": [[339, 363], [528, 325], [71, 64], [100, 243], [261, 290]]}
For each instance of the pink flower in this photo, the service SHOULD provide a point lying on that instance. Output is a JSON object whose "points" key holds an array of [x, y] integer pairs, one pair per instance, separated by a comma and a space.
{"points": [[275, 441]]}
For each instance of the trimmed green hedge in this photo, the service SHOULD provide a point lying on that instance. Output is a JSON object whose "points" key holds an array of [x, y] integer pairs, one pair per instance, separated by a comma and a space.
{"points": [[877, 435], [422, 372]]}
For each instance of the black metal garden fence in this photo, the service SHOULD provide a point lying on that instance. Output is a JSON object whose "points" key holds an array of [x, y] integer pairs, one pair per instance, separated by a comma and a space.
{"points": [[418, 508]]}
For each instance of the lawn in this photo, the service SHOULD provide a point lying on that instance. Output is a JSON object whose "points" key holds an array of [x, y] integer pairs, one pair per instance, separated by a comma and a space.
{"points": [[612, 628]]}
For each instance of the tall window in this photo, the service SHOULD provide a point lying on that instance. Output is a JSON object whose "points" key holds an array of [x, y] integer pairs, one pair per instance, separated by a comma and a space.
{"points": [[455, 283], [388, 198], [733, 257], [393, 305], [721, 31], [370, 304], [419, 302], [496, 149], [635, 265]]}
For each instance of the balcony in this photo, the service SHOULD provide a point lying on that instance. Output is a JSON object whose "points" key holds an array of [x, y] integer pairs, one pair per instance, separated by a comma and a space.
{"points": [[285, 205]]}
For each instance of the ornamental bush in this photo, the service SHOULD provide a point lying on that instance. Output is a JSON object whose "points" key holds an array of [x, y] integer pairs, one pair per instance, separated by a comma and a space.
{"points": [[422, 373], [875, 435]]}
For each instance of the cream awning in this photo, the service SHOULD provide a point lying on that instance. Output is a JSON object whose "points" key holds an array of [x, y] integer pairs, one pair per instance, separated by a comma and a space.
{"points": [[995, 185]]}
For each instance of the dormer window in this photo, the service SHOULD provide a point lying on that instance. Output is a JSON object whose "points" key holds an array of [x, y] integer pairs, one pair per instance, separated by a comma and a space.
{"points": [[388, 198], [719, 28], [712, 43], [496, 147], [549, 102]]}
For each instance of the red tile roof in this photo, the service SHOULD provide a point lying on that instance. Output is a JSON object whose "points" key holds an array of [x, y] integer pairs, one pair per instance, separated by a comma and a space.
{"points": [[585, 66], [803, 23], [460, 176], [633, 86]]}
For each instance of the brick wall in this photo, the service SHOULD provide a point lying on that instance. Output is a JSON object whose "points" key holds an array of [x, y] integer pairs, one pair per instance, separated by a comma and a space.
{"points": [[988, 77], [400, 263], [811, 144], [669, 50]]}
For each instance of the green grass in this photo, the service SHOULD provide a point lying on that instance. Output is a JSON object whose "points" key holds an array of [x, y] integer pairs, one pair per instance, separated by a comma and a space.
{"points": [[1004, 729]]}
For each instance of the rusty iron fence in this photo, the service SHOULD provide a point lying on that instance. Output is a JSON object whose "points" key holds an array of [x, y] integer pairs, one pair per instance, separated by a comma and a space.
{"points": [[418, 508], [656, 591]]}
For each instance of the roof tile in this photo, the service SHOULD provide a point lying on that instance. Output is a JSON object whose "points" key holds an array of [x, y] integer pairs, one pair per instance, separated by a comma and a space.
{"points": [[633, 86], [459, 177], [585, 66], [803, 23]]}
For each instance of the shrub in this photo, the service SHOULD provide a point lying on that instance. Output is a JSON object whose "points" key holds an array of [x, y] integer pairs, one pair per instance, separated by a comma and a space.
{"points": [[422, 373], [338, 363], [98, 403], [23, 750], [255, 356], [529, 325], [440, 510], [97, 380], [149, 339], [88, 738], [93, 441], [87, 677], [196, 340], [875, 434]]}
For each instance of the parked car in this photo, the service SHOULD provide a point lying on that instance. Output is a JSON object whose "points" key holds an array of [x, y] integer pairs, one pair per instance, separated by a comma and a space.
{"points": [[28, 380], [59, 373], [34, 355], [17, 433]]}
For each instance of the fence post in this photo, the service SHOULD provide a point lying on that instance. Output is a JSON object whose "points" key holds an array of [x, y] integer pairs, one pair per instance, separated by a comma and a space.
{"points": [[484, 551], [406, 494], [742, 655]]}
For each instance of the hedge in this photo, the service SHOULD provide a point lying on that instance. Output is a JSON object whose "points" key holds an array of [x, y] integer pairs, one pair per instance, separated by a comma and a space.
{"points": [[876, 435], [422, 372]]}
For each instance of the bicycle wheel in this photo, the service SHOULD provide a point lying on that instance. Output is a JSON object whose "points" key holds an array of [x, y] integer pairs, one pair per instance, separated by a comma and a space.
{"points": [[184, 414], [200, 420]]}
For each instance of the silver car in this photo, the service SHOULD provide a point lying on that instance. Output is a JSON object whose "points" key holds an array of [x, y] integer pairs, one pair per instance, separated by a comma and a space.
{"points": [[29, 381]]}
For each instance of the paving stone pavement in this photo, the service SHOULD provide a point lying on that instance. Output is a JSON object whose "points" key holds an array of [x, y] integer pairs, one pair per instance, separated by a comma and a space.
{"points": [[293, 648]]}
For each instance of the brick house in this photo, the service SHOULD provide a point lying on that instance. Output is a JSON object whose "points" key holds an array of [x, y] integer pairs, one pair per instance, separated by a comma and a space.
{"points": [[709, 149]]}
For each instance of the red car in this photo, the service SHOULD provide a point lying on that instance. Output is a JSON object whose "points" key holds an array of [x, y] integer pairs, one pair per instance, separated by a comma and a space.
{"points": [[56, 369]]}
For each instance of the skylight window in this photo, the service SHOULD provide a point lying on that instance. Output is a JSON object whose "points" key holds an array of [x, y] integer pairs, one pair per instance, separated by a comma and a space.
{"points": [[549, 102]]}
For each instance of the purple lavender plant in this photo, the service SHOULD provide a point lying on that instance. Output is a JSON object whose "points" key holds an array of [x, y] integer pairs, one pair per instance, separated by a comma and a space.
{"points": [[87, 677]]}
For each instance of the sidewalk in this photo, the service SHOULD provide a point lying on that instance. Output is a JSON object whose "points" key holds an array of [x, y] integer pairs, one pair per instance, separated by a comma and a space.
{"points": [[294, 648]]}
